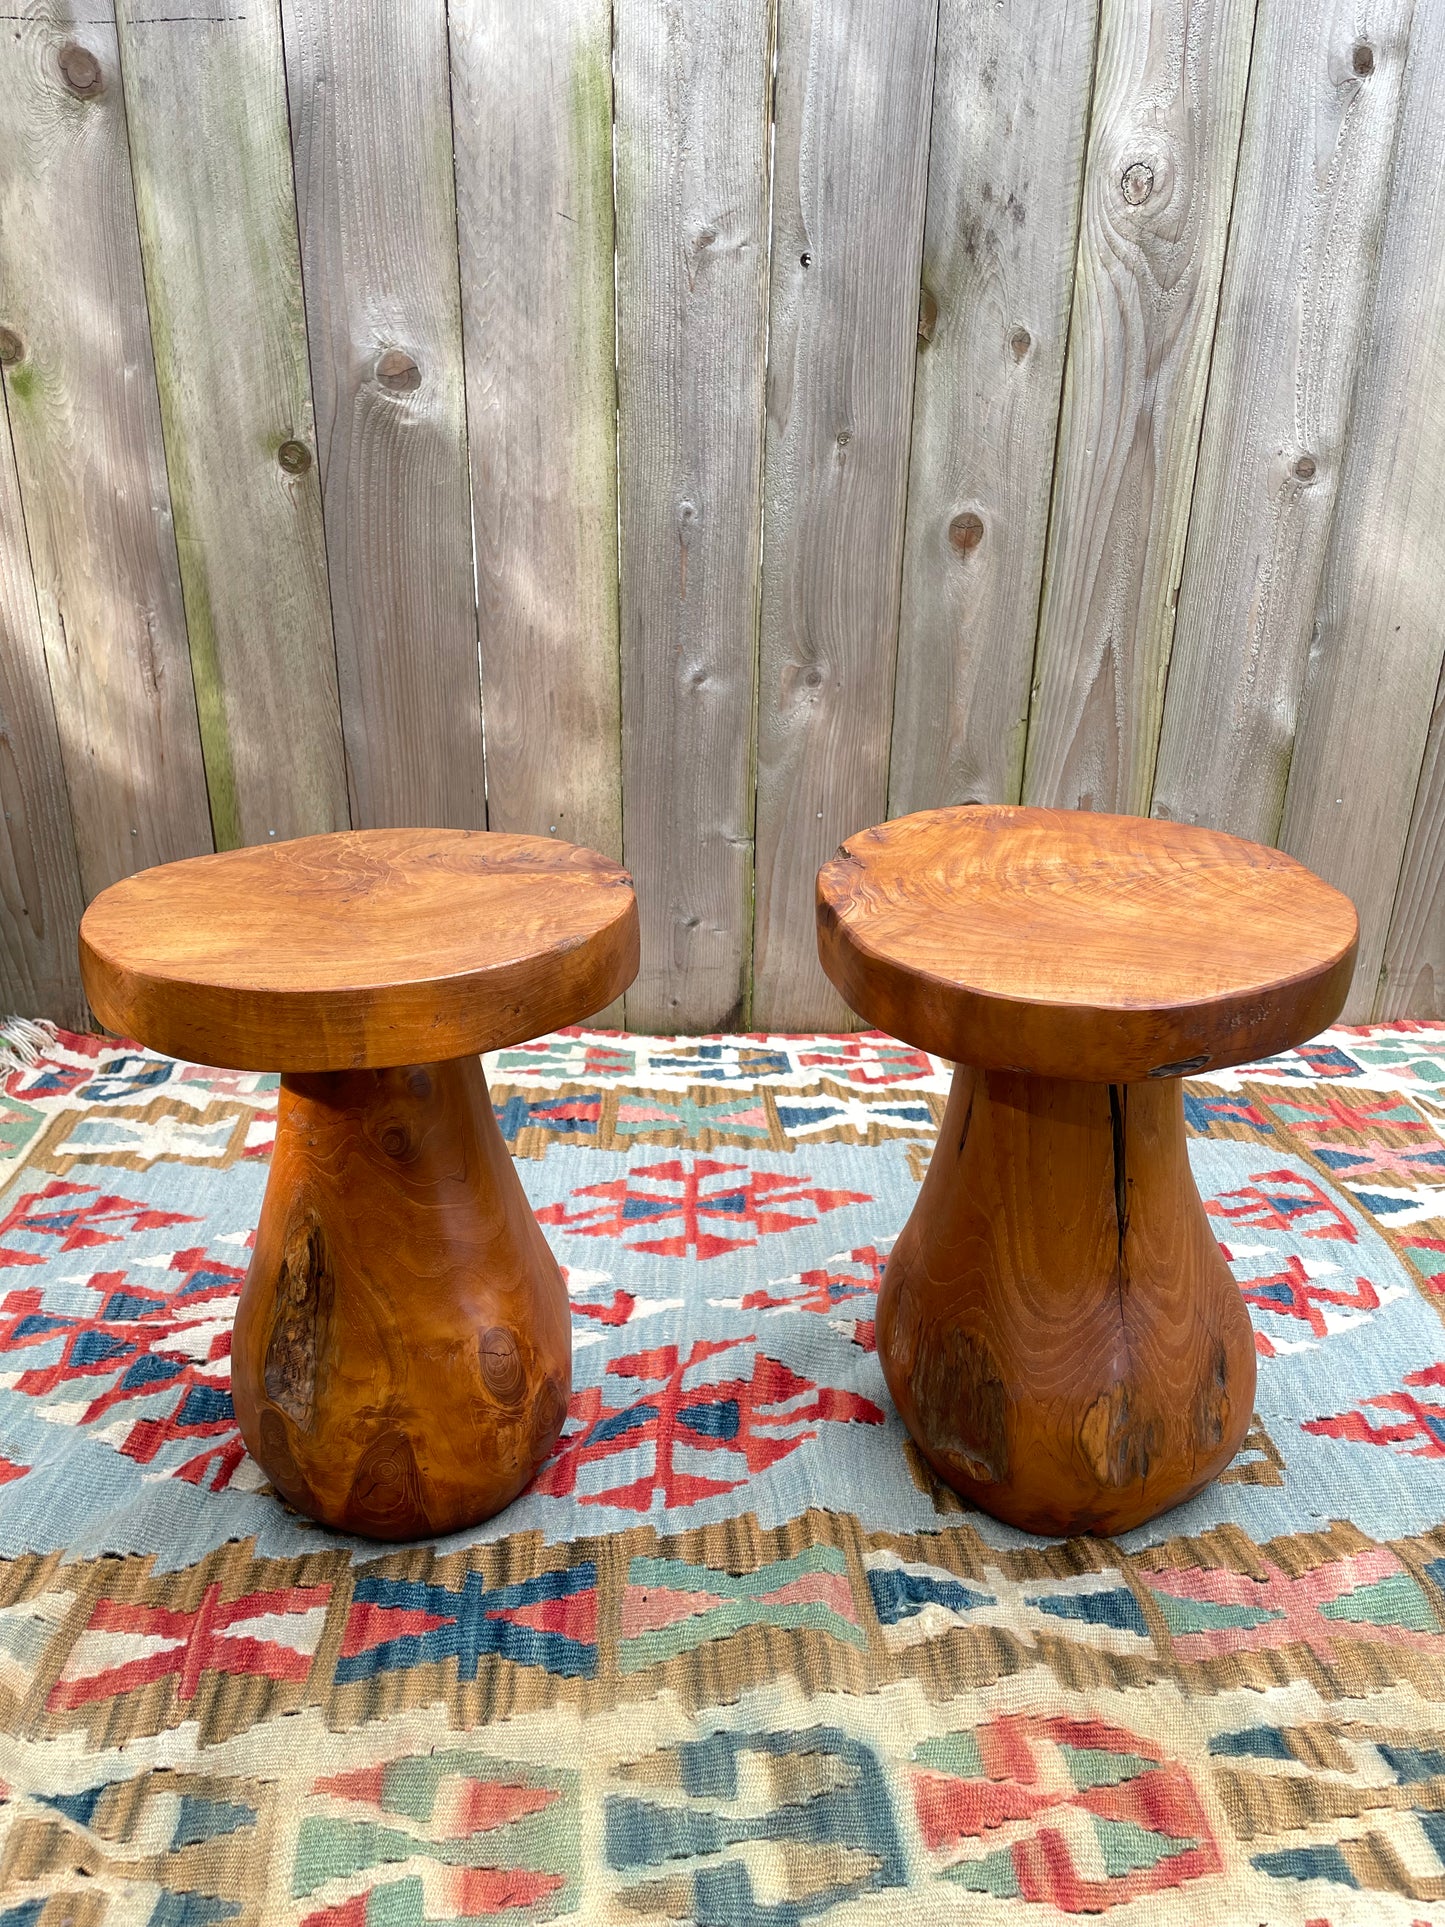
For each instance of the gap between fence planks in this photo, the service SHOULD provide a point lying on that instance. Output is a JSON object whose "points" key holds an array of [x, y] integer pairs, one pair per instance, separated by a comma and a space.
{"points": [[533, 126], [1413, 979], [532, 91], [1010, 106], [1304, 250], [693, 114], [1306, 651], [371, 135], [211, 153], [1164, 139], [86, 429], [854, 85], [1376, 662], [40, 895]]}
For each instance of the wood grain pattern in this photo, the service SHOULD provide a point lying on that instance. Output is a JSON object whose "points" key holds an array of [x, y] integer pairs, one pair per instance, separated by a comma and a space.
{"points": [[533, 118], [1304, 247], [361, 949], [40, 895], [88, 448], [692, 81], [1164, 138], [1010, 102], [1056, 1324], [854, 86], [402, 1356], [211, 153], [1376, 658], [1071, 944], [895, 465], [402, 1351], [371, 135], [1412, 983]]}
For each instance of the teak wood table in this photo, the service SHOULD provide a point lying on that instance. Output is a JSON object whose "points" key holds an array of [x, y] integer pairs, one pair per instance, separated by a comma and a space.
{"points": [[1056, 1322], [402, 1357]]}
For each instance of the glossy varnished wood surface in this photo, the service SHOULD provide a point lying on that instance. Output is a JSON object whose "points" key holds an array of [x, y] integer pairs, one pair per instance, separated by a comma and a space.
{"points": [[1056, 1324], [402, 1355], [1075, 944], [366, 948]]}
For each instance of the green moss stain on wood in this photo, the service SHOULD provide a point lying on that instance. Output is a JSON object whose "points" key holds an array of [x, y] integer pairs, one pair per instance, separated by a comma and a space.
{"points": [[205, 655], [218, 232], [210, 695], [594, 416], [593, 322]]}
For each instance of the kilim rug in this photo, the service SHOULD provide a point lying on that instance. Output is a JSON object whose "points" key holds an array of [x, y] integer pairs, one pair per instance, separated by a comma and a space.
{"points": [[735, 1659]]}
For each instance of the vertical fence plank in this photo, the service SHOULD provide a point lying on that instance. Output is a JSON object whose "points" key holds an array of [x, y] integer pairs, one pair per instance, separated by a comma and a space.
{"points": [[89, 453], [1379, 637], [1163, 143], [692, 243], [211, 153], [1413, 981], [371, 138], [40, 896], [533, 111], [854, 87], [1010, 104], [1304, 246]]}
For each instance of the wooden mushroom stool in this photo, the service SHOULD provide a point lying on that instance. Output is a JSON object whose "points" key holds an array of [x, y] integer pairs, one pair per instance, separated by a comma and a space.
{"points": [[1056, 1322], [402, 1357]]}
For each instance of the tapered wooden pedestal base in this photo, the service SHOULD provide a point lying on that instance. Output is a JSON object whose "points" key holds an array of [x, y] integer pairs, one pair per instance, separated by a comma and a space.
{"points": [[402, 1357], [1057, 1325]]}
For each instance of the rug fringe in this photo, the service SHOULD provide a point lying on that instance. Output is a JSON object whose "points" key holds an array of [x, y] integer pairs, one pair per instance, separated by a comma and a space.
{"points": [[25, 1039]]}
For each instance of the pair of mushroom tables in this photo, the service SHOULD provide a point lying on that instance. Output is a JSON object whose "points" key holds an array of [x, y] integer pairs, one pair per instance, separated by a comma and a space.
{"points": [[1057, 1326]]}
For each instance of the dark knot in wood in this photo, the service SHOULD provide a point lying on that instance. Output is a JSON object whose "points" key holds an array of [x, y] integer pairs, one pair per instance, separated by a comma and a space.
{"points": [[398, 372], [12, 348], [501, 1365], [294, 457], [965, 531], [397, 1140], [961, 1400], [1117, 1444], [386, 1496], [80, 70], [1137, 182], [549, 1411]]}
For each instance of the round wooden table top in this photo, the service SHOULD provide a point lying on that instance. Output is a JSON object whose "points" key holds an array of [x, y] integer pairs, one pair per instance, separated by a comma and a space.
{"points": [[361, 949], [1071, 944]]}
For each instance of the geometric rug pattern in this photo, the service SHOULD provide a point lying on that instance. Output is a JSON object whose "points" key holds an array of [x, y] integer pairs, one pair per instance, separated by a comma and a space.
{"points": [[735, 1657]]}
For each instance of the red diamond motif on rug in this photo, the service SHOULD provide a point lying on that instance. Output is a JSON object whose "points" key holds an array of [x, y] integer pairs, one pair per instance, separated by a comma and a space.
{"points": [[745, 1423], [707, 1208]]}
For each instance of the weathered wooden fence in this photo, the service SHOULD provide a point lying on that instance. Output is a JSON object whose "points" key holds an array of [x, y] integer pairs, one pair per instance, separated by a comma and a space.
{"points": [[701, 428]]}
